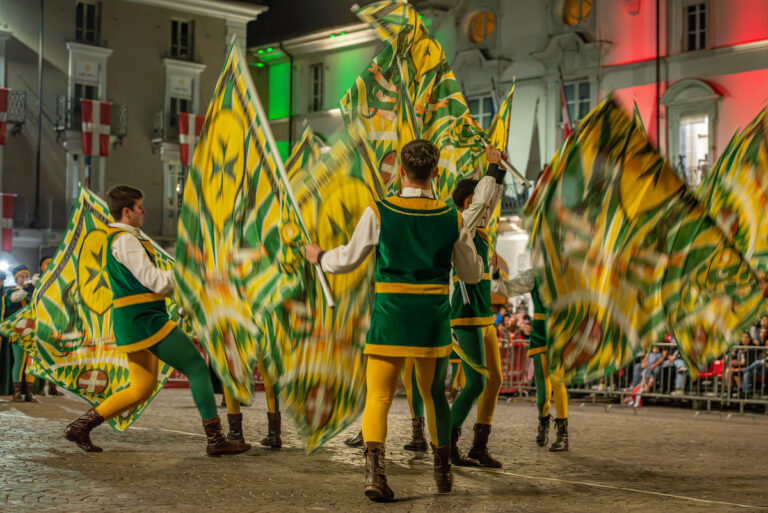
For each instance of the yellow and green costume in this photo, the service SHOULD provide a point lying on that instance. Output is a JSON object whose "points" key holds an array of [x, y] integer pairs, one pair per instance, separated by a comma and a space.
{"points": [[546, 387], [411, 310], [21, 359], [473, 327], [144, 331]]}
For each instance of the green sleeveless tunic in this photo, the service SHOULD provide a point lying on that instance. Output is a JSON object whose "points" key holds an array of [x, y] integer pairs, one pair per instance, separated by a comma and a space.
{"points": [[139, 317], [411, 311], [538, 342], [478, 312]]}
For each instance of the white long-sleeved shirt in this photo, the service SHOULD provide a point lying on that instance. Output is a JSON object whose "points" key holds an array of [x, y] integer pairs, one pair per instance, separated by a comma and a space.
{"points": [[468, 265], [520, 284], [487, 194], [127, 250]]}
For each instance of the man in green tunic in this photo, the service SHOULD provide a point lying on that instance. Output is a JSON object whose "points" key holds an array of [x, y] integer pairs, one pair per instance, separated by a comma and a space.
{"points": [[416, 238], [144, 331], [16, 299]]}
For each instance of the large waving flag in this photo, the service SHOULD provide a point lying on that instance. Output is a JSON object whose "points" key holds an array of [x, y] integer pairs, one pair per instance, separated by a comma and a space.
{"points": [[623, 253], [315, 353], [735, 191], [236, 229], [498, 136], [408, 91], [67, 328]]}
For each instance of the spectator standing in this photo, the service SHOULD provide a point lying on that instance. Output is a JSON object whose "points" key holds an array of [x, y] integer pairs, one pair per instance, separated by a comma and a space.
{"points": [[500, 316]]}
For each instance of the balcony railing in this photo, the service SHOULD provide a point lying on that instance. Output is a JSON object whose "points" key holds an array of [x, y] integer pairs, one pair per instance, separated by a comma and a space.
{"points": [[69, 117], [17, 107], [164, 129]]}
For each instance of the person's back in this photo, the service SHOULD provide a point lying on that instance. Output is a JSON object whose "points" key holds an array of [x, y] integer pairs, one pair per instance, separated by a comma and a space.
{"points": [[416, 239], [413, 265]]}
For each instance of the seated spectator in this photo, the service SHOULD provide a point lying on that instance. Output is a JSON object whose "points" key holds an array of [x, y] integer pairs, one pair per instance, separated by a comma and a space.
{"points": [[735, 363], [758, 368], [761, 323], [681, 369], [651, 366]]}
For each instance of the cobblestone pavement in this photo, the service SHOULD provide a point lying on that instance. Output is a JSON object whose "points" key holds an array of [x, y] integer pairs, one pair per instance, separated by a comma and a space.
{"points": [[659, 459]]}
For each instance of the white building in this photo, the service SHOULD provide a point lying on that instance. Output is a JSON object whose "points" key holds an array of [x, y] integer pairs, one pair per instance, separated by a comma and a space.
{"points": [[151, 58], [698, 69]]}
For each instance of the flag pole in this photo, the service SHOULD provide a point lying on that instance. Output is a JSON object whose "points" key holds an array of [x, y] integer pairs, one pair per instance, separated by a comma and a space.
{"points": [[281, 169]]}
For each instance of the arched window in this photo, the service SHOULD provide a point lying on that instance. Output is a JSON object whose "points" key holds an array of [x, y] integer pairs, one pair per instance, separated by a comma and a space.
{"points": [[691, 120]]}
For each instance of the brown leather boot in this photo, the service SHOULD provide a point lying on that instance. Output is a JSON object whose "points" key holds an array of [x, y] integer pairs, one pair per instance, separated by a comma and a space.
{"points": [[235, 421], [456, 457], [376, 487], [561, 442], [443, 474], [217, 442], [479, 450], [79, 431], [18, 397], [542, 437], [418, 443], [273, 439], [356, 440], [29, 397], [53, 391]]}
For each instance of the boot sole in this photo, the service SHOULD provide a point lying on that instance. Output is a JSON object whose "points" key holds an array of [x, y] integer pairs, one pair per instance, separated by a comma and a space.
{"points": [[376, 496], [93, 448]]}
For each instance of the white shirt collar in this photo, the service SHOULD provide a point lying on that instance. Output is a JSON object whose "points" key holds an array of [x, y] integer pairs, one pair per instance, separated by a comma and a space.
{"points": [[415, 192], [127, 227]]}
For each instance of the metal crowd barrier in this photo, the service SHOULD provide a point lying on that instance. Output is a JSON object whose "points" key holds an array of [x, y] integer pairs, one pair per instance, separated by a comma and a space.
{"points": [[737, 380]]}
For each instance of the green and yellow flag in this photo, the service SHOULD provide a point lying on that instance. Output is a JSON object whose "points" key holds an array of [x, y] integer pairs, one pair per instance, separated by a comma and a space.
{"points": [[498, 136], [67, 328], [315, 353], [735, 192], [230, 246], [409, 91], [624, 253]]}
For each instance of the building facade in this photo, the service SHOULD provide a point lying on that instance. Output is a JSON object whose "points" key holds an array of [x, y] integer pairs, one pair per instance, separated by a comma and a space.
{"points": [[697, 69], [152, 59]]}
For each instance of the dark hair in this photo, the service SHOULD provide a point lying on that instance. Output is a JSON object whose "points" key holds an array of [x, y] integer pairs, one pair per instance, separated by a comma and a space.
{"points": [[419, 159], [464, 189], [120, 197]]}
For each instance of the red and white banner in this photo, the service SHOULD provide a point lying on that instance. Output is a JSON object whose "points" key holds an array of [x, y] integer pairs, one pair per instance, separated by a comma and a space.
{"points": [[3, 114], [190, 126], [7, 221], [97, 117]]}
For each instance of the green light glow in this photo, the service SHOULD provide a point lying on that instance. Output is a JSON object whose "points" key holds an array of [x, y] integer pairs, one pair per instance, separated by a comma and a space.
{"points": [[343, 34], [261, 51], [269, 49], [259, 64], [332, 36], [283, 149], [279, 81]]}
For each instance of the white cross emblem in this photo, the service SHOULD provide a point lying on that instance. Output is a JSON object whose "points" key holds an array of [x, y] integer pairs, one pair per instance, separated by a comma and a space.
{"points": [[319, 407], [91, 382]]}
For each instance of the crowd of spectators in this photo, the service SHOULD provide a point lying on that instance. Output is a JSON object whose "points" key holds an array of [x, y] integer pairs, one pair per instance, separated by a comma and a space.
{"points": [[513, 324], [744, 369]]}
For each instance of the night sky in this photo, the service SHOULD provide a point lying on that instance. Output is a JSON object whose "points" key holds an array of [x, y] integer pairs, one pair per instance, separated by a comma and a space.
{"points": [[291, 18]]}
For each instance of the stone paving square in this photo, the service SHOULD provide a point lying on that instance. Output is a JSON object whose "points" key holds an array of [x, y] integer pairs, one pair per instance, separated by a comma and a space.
{"points": [[662, 459]]}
